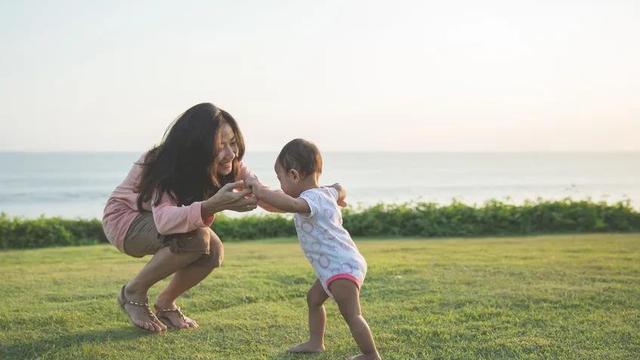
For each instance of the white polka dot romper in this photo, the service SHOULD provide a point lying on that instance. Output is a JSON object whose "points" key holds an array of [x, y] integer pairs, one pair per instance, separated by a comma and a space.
{"points": [[326, 244]]}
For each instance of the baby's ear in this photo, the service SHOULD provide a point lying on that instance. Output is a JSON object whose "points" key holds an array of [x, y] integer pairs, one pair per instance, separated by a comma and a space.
{"points": [[295, 174]]}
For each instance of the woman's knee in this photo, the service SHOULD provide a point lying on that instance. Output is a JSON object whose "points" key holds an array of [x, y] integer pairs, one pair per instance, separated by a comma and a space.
{"points": [[202, 239], [216, 247], [215, 255], [194, 242]]}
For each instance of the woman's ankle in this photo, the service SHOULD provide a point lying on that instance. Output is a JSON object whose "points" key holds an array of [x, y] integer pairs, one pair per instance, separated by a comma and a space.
{"points": [[131, 290], [165, 301]]}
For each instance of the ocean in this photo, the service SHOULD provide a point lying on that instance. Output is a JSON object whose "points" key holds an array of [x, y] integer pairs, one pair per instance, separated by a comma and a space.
{"points": [[77, 185]]}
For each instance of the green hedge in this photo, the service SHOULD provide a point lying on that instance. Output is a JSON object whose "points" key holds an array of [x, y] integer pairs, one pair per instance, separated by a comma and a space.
{"points": [[409, 219], [492, 218]]}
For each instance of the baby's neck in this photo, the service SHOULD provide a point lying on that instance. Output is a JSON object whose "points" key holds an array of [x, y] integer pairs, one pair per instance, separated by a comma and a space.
{"points": [[310, 182]]}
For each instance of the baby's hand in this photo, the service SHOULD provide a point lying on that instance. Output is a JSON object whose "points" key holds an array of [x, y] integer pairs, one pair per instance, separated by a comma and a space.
{"points": [[342, 194], [251, 182]]}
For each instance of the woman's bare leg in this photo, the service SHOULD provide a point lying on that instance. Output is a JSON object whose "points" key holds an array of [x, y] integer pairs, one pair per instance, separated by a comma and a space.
{"points": [[161, 265], [186, 278]]}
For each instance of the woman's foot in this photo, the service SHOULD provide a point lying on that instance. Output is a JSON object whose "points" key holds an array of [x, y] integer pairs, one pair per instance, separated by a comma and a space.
{"points": [[307, 347], [375, 356], [136, 307], [171, 315]]}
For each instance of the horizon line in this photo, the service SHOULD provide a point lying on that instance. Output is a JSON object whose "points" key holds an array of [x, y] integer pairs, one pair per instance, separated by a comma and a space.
{"points": [[346, 151]]}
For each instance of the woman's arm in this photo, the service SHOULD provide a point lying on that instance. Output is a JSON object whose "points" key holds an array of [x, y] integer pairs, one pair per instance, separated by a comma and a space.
{"points": [[173, 219], [228, 199]]}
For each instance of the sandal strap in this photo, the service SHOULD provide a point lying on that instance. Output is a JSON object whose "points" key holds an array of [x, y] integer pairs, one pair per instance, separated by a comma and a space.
{"points": [[131, 302], [123, 300], [176, 310], [144, 305]]}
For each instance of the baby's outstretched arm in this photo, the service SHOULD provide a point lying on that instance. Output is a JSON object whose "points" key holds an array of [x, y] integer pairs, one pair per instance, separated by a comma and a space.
{"points": [[279, 199], [252, 182], [342, 194]]}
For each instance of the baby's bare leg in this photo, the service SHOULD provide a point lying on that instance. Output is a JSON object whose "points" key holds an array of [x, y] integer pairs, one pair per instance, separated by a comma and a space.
{"points": [[317, 319], [347, 296]]}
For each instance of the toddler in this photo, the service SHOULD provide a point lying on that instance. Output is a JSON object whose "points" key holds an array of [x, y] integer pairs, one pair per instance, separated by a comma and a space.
{"points": [[338, 265]]}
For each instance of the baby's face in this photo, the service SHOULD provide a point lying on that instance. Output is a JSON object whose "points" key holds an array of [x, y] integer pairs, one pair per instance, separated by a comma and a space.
{"points": [[287, 182]]}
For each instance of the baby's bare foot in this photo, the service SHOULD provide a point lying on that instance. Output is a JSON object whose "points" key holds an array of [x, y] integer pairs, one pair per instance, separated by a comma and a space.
{"points": [[307, 347], [374, 356]]}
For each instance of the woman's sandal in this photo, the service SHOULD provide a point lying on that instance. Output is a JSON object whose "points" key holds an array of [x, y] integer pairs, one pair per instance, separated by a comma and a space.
{"points": [[161, 314], [122, 301]]}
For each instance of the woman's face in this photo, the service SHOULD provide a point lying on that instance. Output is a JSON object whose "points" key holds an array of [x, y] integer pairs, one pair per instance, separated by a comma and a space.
{"points": [[227, 150]]}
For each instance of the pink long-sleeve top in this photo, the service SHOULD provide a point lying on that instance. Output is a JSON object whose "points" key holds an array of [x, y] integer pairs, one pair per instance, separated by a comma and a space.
{"points": [[122, 209]]}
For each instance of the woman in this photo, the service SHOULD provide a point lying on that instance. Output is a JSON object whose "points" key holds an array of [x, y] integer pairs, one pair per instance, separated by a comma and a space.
{"points": [[165, 206]]}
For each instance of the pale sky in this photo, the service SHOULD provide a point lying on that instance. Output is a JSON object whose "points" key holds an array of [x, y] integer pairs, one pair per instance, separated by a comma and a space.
{"points": [[461, 75]]}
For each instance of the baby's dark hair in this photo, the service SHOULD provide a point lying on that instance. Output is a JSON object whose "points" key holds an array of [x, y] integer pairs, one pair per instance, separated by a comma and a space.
{"points": [[300, 155]]}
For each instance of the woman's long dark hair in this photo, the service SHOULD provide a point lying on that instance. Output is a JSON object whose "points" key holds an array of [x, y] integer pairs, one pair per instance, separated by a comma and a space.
{"points": [[184, 165]]}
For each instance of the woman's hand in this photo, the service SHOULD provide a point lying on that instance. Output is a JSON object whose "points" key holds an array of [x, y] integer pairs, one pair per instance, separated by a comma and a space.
{"points": [[227, 198], [252, 183]]}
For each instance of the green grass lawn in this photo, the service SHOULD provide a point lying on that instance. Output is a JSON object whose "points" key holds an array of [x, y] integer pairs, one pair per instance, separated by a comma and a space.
{"points": [[569, 296]]}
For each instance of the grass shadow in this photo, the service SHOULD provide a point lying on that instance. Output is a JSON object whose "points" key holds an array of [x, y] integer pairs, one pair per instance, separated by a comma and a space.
{"points": [[285, 355], [49, 345]]}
